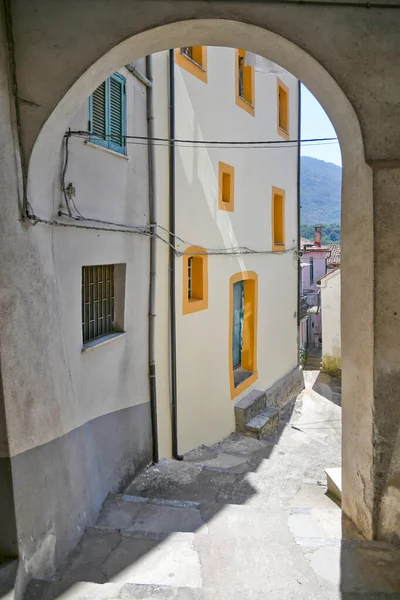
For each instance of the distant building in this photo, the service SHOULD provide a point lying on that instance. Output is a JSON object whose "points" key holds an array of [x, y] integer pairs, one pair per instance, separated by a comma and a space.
{"points": [[313, 267]]}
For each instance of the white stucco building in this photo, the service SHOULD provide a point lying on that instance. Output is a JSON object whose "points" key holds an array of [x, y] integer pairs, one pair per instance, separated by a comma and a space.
{"points": [[236, 315]]}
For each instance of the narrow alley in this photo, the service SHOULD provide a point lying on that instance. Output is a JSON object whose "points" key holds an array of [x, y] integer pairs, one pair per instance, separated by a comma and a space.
{"points": [[245, 518]]}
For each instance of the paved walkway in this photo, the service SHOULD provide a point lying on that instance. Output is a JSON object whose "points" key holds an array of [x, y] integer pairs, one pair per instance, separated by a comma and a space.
{"points": [[242, 520]]}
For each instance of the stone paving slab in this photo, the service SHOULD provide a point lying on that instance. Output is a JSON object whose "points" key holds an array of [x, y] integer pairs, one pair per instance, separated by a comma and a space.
{"points": [[243, 519]]}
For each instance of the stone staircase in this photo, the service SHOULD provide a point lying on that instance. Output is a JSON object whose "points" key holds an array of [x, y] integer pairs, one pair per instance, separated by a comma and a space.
{"points": [[314, 363], [253, 416], [258, 413]]}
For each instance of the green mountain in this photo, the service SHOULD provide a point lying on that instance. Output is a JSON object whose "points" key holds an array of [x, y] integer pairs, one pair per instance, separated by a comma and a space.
{"points": [[320, 191]]}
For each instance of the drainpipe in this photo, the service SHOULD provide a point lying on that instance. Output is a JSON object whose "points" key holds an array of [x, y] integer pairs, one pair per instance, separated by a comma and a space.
{"points": [[153, 248], [145, 80], [298, 217], [172, 303]]}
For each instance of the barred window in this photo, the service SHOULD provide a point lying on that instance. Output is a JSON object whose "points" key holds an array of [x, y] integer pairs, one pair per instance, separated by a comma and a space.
{"points": [[101, 286], [189, 277]]}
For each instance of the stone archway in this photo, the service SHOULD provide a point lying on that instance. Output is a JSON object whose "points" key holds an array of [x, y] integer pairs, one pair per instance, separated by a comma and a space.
{"points": [[85, 50], [357, 452]]}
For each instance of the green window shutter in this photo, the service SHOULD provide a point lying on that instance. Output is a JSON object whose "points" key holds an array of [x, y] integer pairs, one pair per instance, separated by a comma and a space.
{"points": [[98, 115], [117, 113]]}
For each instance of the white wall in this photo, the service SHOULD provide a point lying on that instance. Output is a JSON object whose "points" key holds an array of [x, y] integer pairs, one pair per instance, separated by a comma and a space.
{"points": [[114, 188], [330, 305], [209, 112]]}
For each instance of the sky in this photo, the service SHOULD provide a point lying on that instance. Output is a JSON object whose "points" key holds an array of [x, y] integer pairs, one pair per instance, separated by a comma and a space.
{"points": [[316, 124]]}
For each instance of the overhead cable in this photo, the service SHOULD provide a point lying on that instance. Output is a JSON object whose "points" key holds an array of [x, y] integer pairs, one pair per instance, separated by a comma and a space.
{"points": [[202, 142]]}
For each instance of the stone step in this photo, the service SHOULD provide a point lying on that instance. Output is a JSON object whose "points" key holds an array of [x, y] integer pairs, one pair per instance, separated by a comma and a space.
{"points": [[263, 424], [248, 407], [313, 365], [65, 590], [149, 517], [334, 481]]}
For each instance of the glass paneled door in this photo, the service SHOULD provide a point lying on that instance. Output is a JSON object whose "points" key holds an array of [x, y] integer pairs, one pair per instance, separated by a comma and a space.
{"points": [[237, 325]]}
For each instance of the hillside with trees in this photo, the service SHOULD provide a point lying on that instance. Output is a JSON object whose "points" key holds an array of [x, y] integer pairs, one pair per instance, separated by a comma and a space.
{"points": [[320, 195]]}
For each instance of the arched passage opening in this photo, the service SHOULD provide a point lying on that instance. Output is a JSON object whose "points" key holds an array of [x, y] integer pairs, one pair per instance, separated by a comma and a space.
{"points": [[357, 204]]}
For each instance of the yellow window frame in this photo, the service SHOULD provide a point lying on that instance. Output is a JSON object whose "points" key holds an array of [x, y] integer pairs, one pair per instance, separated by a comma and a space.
{"points": [[250, 324], [226, 187], [247, 102], [278, 219], [283, 109], [199, 299], [197, 65]]}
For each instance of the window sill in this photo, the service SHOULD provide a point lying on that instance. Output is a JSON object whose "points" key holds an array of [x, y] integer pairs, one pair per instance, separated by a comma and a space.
{"points": [[98, 147], [245, 105], [102, 341], [195, 305], [244, 385], [283, 133]]}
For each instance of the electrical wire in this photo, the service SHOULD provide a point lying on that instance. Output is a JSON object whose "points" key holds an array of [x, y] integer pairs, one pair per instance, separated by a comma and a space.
{"points": [[151, 230], [63, 173], [269, 146], [147, 231], [204, 142], [213, 147], [55, 223]]}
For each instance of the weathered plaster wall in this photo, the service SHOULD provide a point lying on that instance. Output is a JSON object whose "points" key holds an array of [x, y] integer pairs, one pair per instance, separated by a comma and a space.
{"points": [[387, 352], [78, 423]]}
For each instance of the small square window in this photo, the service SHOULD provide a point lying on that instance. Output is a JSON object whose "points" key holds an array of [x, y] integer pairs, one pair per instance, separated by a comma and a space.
{"points": [[226, 187], [195, 280], [103, 301]]}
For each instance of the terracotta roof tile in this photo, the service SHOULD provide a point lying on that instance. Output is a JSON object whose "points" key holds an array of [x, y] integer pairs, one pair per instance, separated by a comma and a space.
{"points": [[334, 260]]}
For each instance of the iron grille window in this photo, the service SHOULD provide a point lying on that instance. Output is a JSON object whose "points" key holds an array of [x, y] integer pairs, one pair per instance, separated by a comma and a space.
{"points": [[189, 274], [311, 270], [98, 302]]}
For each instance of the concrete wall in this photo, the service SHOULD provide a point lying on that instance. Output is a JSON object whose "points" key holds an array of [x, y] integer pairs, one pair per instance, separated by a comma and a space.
{"points": [[330, 308], [209, 111]]}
